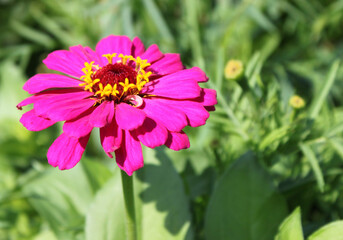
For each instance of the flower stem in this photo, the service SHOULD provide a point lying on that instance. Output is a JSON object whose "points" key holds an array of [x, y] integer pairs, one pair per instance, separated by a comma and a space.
{"points": [[127, 183]]}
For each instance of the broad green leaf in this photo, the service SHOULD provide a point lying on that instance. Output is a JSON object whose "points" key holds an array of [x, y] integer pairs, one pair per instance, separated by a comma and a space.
{"points": [[331, 231], [105, 219], [62, 198], [163, 207], [291, 228], [244, 205]]}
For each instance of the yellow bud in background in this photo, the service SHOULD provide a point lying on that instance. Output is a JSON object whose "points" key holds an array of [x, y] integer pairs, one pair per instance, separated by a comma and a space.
{"points": [[297, 102], [234, 69]]}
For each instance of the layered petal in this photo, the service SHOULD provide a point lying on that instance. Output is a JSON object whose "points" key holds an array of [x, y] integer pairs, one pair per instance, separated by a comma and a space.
{"points": [[137, 47], [170, 63], [79, 126], [66, 151], [208, 97], [201, 75], [86, 54], [26, 101], [177, 141], [111, 137], [180, 85], [61, 107], [171, 118], [113, 44], [52, 93], [129, 117], [33, 122], [152, 54], [129, 156], [102, 115], [152, 134], [44, 81], [71, 62], [195, 112]]}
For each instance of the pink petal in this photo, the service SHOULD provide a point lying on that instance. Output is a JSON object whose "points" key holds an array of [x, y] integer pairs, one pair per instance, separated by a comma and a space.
{"points": [[201, 75], [44, 81], [170, 63], [171, 118], [179, 85], [60, 107], [129, 156], [26, 102], [111, 137], [80, 126], [152, 134], [208, 97], [48, 94], [69, 110], [66, 151], [129, 117], [195, 112], [102, 115], [33, 122], [152, 54], [177, 141], [137, 47], [114, 44], [70, 62], [86, 54]]}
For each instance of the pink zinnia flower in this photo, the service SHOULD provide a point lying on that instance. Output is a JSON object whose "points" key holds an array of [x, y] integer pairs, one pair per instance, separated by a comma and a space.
{"points": [[133, 95]]}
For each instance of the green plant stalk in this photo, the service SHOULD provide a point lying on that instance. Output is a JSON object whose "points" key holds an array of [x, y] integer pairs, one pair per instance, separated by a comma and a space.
{"points": [[127, 183]]}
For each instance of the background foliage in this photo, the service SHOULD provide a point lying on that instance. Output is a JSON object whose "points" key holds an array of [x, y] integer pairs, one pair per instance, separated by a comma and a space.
{"points": [[259, 169]]}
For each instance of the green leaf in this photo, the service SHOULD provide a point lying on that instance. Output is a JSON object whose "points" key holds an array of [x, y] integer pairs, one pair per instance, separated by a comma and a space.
{"points": [[105, 219], [307, 151], [337, 144], [273, 137], [32, 34], [260, 19], [319, 100], [330, 231], [163, 205], [244, 204], [62, 198], [162, 208], [158, 19], [291, 228]]}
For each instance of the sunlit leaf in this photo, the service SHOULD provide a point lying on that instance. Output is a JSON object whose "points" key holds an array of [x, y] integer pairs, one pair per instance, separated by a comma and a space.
{"points": [[291, 228], [245, 204], [330, 231]]}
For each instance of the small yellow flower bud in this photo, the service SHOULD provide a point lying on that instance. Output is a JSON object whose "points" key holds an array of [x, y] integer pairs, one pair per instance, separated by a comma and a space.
{"points": [[297, 102], [234, 69]]}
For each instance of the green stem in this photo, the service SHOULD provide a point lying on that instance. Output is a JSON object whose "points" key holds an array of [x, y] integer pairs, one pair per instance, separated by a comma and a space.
{"points": [[127, 183]]}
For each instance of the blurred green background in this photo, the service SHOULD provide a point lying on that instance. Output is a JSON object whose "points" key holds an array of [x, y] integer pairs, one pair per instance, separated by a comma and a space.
{"points": [[255, 161]]}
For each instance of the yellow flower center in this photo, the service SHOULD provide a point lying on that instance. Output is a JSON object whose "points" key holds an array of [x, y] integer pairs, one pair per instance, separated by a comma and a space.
{"points": [[115, 81]]}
